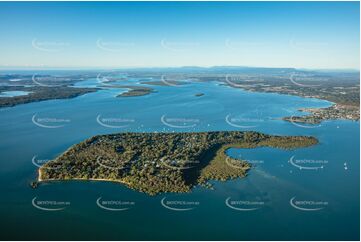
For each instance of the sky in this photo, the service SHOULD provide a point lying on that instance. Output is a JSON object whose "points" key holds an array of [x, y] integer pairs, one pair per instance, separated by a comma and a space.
{"points": [[314, 35]]}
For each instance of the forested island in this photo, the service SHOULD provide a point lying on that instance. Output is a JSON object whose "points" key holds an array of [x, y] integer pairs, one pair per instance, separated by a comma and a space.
{"points": [[135, 91], [162, 162]]}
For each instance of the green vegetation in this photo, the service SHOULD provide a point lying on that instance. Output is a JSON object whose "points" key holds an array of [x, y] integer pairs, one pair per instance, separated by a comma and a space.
{"points": [[162, 162], [49, 80], [135, 91], [343, 91], [38, 93], [317, 115], [222, 167]]}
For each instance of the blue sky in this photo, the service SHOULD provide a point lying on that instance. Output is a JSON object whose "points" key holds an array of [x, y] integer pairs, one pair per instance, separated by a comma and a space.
{"points": [[145, 34]]}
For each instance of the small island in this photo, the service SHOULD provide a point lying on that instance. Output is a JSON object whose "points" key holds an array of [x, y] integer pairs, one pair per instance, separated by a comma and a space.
{"points": [[135, 91], [162, 162]]}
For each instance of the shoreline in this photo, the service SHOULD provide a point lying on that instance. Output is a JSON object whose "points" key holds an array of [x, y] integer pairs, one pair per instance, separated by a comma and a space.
{"points": [[318, 115], [203, 159], [333, 105], [40, 180]]}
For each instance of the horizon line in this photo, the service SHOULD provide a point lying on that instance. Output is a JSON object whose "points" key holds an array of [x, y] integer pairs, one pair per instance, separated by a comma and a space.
{"points": [[6, 67]]}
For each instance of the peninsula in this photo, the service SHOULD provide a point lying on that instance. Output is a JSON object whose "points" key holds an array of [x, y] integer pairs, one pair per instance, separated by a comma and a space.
{"points": [[38, 93]]}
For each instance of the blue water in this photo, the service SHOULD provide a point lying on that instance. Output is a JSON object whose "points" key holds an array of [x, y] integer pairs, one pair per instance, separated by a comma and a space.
{"points": [[13, 93], [273, 180]]}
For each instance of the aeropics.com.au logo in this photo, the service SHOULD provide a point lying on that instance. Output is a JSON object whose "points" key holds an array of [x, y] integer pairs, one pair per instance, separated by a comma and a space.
{"points": [[107, 78], [241, 163], [41, 162], [307, 164], [242, 80], [300, 121], [114, 205], [110, 164], [244, 205], [234, 80], [245, 121], [308, 205], [179, 205], [47, 81], [304, 80], [114, 122], [114, 46], [177, 80], [49, 46], [113, 164], [171, 81], [49, 205], [179, 164], [294, 120], [179, 122], [49, 122]]}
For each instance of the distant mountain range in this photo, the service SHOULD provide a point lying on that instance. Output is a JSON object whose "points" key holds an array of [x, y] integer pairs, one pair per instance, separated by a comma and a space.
{"points": [[204, 70]]}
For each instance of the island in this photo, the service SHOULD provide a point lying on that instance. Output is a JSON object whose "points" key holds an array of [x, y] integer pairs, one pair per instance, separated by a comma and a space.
{"points": [[162, 162], [135, 91], [199, 94]]}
